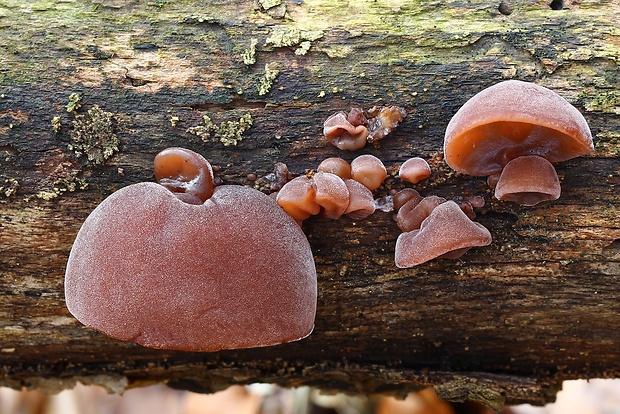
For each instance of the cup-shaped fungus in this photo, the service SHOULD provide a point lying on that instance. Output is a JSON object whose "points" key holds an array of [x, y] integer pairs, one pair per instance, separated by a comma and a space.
{"points": [[336, 166], [414, 170], [346, 131], [186, 173], [332, 194], [368, 170], [513, 119], [233, 272], [298, 198], [446, 232], [361, 202]]}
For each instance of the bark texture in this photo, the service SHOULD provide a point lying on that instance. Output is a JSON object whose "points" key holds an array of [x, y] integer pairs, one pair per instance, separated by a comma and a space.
{"points": [[91, 91]]}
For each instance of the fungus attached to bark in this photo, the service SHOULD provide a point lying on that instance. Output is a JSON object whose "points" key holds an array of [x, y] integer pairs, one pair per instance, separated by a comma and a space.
{"points": [[513, 119], [361, 202], [403, 196], [336, 166], [332, 194], [187, 174], [346, 131], [414, 170], [411, 215], [368, 170], [446, 232], [232, 272], [298, 198], [383, 120]]}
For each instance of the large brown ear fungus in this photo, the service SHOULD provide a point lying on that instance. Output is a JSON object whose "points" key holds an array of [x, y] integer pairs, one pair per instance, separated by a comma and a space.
{"points": [[446, 232], [233, 272], [513, 119]]}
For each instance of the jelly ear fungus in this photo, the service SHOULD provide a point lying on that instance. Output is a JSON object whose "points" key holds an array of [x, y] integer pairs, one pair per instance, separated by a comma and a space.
{"points": [[511, 120], [152, 265]]}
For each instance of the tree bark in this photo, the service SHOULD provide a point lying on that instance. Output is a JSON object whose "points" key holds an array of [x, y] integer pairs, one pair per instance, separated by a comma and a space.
{"points": [[90, 92]]}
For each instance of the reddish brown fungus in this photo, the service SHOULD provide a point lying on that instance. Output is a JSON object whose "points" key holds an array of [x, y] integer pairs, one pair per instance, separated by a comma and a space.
{"points": [[404, 195], [298, 198], [332, 194], [528, 180], [414, 212], [233, 272], [361, 202], [368, 170], [513, 119], [447, 229], [339, 131], [278, 177], [186, 173], [414, 170], [336, 166]]}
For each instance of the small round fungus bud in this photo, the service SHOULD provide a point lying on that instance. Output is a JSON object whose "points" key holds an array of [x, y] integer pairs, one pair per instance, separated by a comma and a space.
{"points": [[513, 119], [233, 272], [368, 170], [187, 174], [447, 229], [361, 202], [414, 170], [332, 194], [297, 198], [336, 166]]}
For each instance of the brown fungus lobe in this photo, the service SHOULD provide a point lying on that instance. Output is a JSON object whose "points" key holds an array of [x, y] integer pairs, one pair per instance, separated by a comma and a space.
{"points": [[513, 119], [368, 170], [336, 166], [298, 198], [414, 170], [332, 194], [361, 202], [186, 173], [411, 215], [383, 120], [345, 135], [446, 232], [404, 195], [528, 180], [233, 272]]}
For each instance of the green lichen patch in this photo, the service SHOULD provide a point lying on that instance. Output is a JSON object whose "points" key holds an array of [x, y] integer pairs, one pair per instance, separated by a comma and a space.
{"points": [[266, 82], [93, 135], [9, 187], [56, 124], [285, 36], [75, 102], [227, 132], [605, 102], [68, 184], [249, 54]]}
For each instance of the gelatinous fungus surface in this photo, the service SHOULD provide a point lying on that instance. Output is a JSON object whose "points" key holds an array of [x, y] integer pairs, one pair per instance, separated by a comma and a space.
{"points": [[511, 119], [186, 173], [528, 180], [368, 170], [297, 198], [233, 272], [447, 229], [414, 170]]}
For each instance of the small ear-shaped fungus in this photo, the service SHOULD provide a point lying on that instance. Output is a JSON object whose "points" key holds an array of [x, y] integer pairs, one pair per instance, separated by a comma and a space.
{"points": [[411, 215], [513, 119], [233, 272], [414, 170], [528, 180], [446, 230], [336, 166], [187, 174], [361, 202], [403, 196], [368, 170], [383, 120], [298, 198], [346, 131], [332, 194]]}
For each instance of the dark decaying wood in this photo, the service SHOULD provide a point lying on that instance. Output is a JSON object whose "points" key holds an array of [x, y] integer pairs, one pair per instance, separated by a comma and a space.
{"points": [[505, 323]]}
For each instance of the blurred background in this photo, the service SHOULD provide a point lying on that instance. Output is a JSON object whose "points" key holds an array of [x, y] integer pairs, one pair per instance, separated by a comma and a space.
{"points": [[598, 396]]}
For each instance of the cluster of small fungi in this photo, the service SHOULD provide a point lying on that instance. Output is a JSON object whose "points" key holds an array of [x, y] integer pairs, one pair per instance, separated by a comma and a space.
{"points": [[510, 132]]}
